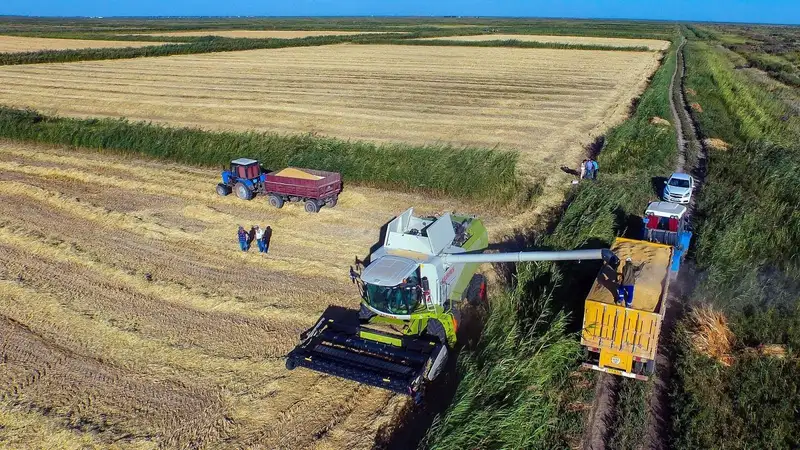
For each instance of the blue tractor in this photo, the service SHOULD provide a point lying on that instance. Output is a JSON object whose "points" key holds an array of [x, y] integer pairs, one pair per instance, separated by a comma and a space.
{"points": [[668, 223], [245, 178]]}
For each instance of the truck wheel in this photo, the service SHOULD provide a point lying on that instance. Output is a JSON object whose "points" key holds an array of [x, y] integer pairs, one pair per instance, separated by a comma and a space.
{"points": [[476, 291], [242, 192], [223, 189], [650, 367], [332, 202], [312, 206], [275, 201]]}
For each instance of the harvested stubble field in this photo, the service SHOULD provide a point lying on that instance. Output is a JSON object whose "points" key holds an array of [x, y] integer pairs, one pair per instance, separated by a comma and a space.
{"points": [[546, 103], [652, 44], [93, 353], [260, 34], [15, 44]]}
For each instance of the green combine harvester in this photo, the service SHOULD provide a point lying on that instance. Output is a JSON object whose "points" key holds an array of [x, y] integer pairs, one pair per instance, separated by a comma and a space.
{"points": [[413, 289]]}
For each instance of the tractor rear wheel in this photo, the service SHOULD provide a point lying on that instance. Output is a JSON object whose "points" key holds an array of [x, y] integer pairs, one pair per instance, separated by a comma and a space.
{"points": [[275, 201], [311, 206], [243, 192], [223, 189]]}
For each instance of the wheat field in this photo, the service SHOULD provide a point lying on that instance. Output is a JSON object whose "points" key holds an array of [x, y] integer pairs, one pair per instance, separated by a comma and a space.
{"points": [[546, 103], [652, 44], [93, 353], [16, 44]]}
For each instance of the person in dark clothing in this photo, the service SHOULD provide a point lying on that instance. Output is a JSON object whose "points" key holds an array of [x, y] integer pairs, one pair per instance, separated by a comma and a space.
{"points": [[267, 238], [251, 236], [630, 273], [242, 234]]}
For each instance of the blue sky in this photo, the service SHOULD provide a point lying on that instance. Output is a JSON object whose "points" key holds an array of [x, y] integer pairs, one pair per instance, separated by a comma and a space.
{"points": [[776, 11]]}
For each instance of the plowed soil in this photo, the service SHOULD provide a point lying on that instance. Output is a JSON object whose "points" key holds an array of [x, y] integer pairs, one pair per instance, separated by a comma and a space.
{"points": [[92, 352]]}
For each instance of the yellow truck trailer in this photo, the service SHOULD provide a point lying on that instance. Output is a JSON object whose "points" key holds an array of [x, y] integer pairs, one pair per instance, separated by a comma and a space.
{"points": [[624, 341]]}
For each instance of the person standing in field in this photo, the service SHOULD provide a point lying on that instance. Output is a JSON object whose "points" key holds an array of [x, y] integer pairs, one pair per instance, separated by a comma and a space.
{"points": [[262, 247], [251, 235], [590, 169], [583, 169], [629, 275], [267, 238], [242, 234]]}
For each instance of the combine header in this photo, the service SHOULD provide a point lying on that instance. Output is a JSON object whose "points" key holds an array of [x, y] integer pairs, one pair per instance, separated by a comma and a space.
{"points": [[413, 289]]}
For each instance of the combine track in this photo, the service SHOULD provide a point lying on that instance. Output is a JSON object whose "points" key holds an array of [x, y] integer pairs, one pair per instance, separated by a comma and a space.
{"points": [[602, 412]]}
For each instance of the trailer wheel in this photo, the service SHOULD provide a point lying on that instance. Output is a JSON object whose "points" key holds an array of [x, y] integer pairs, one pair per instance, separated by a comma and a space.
{"points": [[275, 201], [291, 364], [476, 291], [311, 206], [650, 367], [332, 202], [242, 192], [223, 189]]}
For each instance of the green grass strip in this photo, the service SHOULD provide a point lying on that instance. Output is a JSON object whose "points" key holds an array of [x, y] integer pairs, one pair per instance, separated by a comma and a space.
{"points": [[471, 173]]}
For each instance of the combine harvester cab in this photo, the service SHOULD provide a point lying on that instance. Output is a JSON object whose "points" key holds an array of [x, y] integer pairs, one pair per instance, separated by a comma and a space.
{"points": [[624, 341]]}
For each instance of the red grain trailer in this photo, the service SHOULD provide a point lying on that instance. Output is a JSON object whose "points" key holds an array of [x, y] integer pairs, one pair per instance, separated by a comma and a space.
{"points": [[315, 188]]}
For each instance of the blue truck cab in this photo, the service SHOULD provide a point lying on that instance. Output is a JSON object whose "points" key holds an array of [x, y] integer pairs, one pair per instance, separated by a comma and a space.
{"points": [[244, 177], [668, 223]]}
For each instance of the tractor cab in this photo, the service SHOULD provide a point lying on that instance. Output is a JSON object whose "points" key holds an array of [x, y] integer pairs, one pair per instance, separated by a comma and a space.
{"points": [[244, 177], [668, 223], [242, 169]]}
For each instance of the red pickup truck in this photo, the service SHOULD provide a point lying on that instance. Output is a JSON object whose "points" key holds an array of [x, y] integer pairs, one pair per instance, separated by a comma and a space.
{"points": [[315, 188]]}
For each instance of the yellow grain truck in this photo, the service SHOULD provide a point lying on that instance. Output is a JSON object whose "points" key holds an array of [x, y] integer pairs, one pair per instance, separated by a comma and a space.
{"points": [[624, 341]]}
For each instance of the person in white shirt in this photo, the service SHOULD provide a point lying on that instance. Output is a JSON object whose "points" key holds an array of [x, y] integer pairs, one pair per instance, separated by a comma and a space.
{"points": [[262, 243]]}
